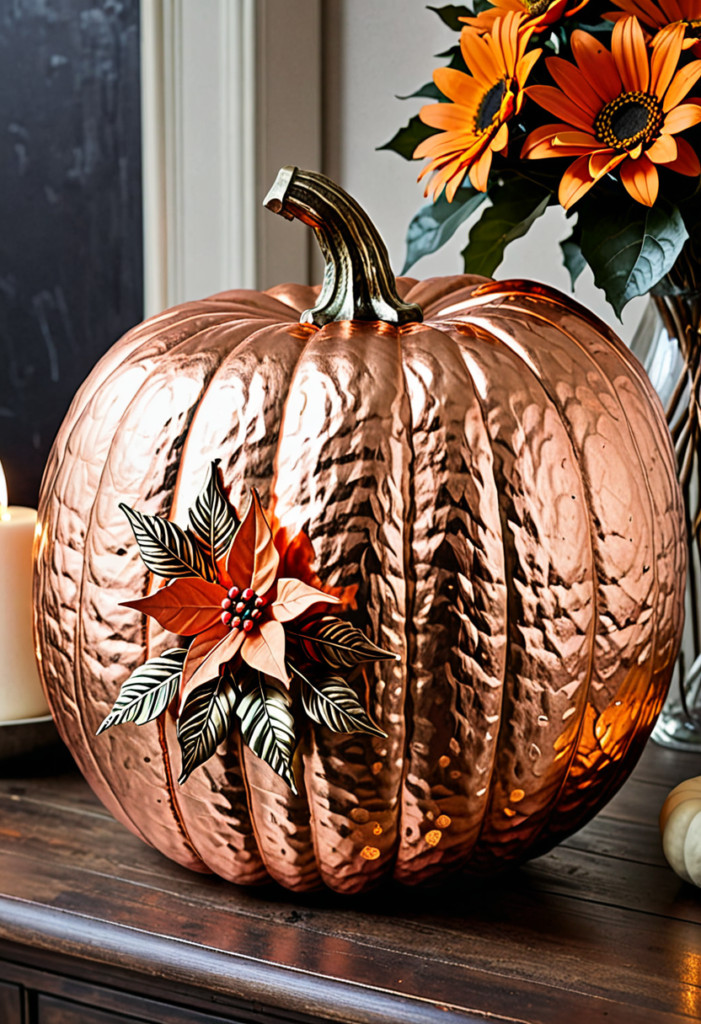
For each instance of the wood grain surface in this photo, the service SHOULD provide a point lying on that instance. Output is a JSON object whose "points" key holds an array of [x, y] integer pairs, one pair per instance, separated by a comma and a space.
{"points": [[599, 930]]}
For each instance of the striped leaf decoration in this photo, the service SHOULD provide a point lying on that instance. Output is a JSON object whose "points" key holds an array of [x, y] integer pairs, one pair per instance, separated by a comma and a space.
{"points": [[330, 701], [213, 518], [205, 721], [335, 643], [148, 691], [267, 725], [167, 550]]}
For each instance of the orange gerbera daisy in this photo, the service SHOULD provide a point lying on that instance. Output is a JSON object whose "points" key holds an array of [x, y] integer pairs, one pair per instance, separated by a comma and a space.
{"points": [[474, 125], [657, 15], [621, 109], [540, 14]]}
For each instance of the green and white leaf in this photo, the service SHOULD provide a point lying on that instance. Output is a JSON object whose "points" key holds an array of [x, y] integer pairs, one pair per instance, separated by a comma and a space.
{"points": [[337, 643], [436, 222], [205, 721], [166, 550], [629, 247], [267, 724], [515, 206], [213, 518], [148, 691], [330, 701]]}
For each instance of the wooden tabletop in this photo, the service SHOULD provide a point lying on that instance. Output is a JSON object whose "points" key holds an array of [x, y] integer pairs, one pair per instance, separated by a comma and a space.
{"points": [[598, 930]]}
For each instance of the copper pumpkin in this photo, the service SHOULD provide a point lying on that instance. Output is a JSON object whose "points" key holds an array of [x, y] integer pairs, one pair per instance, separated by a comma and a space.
{"points": [[497, 478]]}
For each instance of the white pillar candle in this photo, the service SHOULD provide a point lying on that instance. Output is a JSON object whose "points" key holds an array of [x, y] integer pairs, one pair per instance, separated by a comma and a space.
{"points": [[21, 694]]}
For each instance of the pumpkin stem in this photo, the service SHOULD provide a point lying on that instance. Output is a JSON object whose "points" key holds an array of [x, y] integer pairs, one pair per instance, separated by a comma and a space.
{"points": [[358, 280]]}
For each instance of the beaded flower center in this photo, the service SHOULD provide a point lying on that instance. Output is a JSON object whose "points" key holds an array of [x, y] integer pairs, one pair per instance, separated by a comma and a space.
{"points": [[241, 609], [490, 106], [631, 118]]}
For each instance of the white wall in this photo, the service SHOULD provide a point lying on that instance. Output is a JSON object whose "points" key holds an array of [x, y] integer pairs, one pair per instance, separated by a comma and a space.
{"points": [[375, 51]]}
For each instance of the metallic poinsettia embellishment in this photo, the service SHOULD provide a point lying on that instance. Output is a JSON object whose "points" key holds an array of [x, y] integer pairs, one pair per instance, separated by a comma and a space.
{"points": [[260, 640]]}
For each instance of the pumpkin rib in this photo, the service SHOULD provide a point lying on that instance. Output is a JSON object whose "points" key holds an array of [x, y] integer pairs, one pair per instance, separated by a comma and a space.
{"points": [[75, 427], [265, 360], [182, 345], [569, 783], [246, 867], [341, 473], [545, 645], [457, 670]]}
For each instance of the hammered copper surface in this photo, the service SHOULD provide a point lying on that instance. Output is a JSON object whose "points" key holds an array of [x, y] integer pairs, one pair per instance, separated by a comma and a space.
{"points": [[500, 483]]}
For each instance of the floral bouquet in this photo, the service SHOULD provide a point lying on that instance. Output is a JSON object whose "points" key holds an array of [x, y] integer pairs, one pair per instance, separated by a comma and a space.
{"points": [[594, 105], [548, 102]]}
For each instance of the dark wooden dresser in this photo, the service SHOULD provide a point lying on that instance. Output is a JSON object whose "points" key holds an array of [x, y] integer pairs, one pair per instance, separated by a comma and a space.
{"points": [[96, 928]]}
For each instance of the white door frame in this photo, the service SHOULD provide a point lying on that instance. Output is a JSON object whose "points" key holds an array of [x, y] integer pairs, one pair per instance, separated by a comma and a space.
{"points": [[231, 91]]}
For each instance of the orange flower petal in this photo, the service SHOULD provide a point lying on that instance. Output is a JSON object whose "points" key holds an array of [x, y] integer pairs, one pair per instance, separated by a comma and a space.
{"points": [[687, 161], [526, 65], [457, 86], [630, 54], [294, 598], [479, 171], [264, 650], [681, 118], [501, 139], [186, 606], [641, 180], [555, 102], [684, 79], [207, 653], [479, 58], [666, 51], [604, 162], [583, 140], [596, 64], [574, 85], [575, 182], [663, 150], [540, 137], [448, 117], [253, 560]]}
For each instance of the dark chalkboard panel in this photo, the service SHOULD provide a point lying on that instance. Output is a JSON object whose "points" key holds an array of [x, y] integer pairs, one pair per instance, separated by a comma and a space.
{"points": [[70, 211]]}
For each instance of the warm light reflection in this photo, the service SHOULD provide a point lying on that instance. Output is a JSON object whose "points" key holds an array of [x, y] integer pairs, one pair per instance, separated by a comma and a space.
{"points": [[4, 514]]}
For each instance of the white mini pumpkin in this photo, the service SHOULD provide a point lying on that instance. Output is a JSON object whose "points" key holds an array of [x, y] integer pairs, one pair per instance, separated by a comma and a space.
{"points": [[680, 827]]}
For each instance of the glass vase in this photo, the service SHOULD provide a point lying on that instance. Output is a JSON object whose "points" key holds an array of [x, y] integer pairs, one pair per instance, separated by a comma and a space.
{"points": [[668, 343]]}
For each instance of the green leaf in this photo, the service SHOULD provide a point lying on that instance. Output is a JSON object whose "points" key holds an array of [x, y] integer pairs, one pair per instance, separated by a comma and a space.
{"points": [[336, 643], [267, 724], [330, 701], [213, 519], [408, 138], [451, 13], [148, 691], [429, 91], [436, 222], [205, 721], [572, 256], [166, 550], [515, 206], [630, 247]]}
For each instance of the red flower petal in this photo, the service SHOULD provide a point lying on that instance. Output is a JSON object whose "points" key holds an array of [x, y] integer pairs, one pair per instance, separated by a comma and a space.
{"points": [[294, 598], [186, 606], [264, 650], [253, 560], [207, 653]]}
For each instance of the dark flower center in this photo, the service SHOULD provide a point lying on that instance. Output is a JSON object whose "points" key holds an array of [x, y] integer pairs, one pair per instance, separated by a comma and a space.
{"points": [[693, 28], [631, 118], [242, 608], [490, 106], [536, 7]]}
